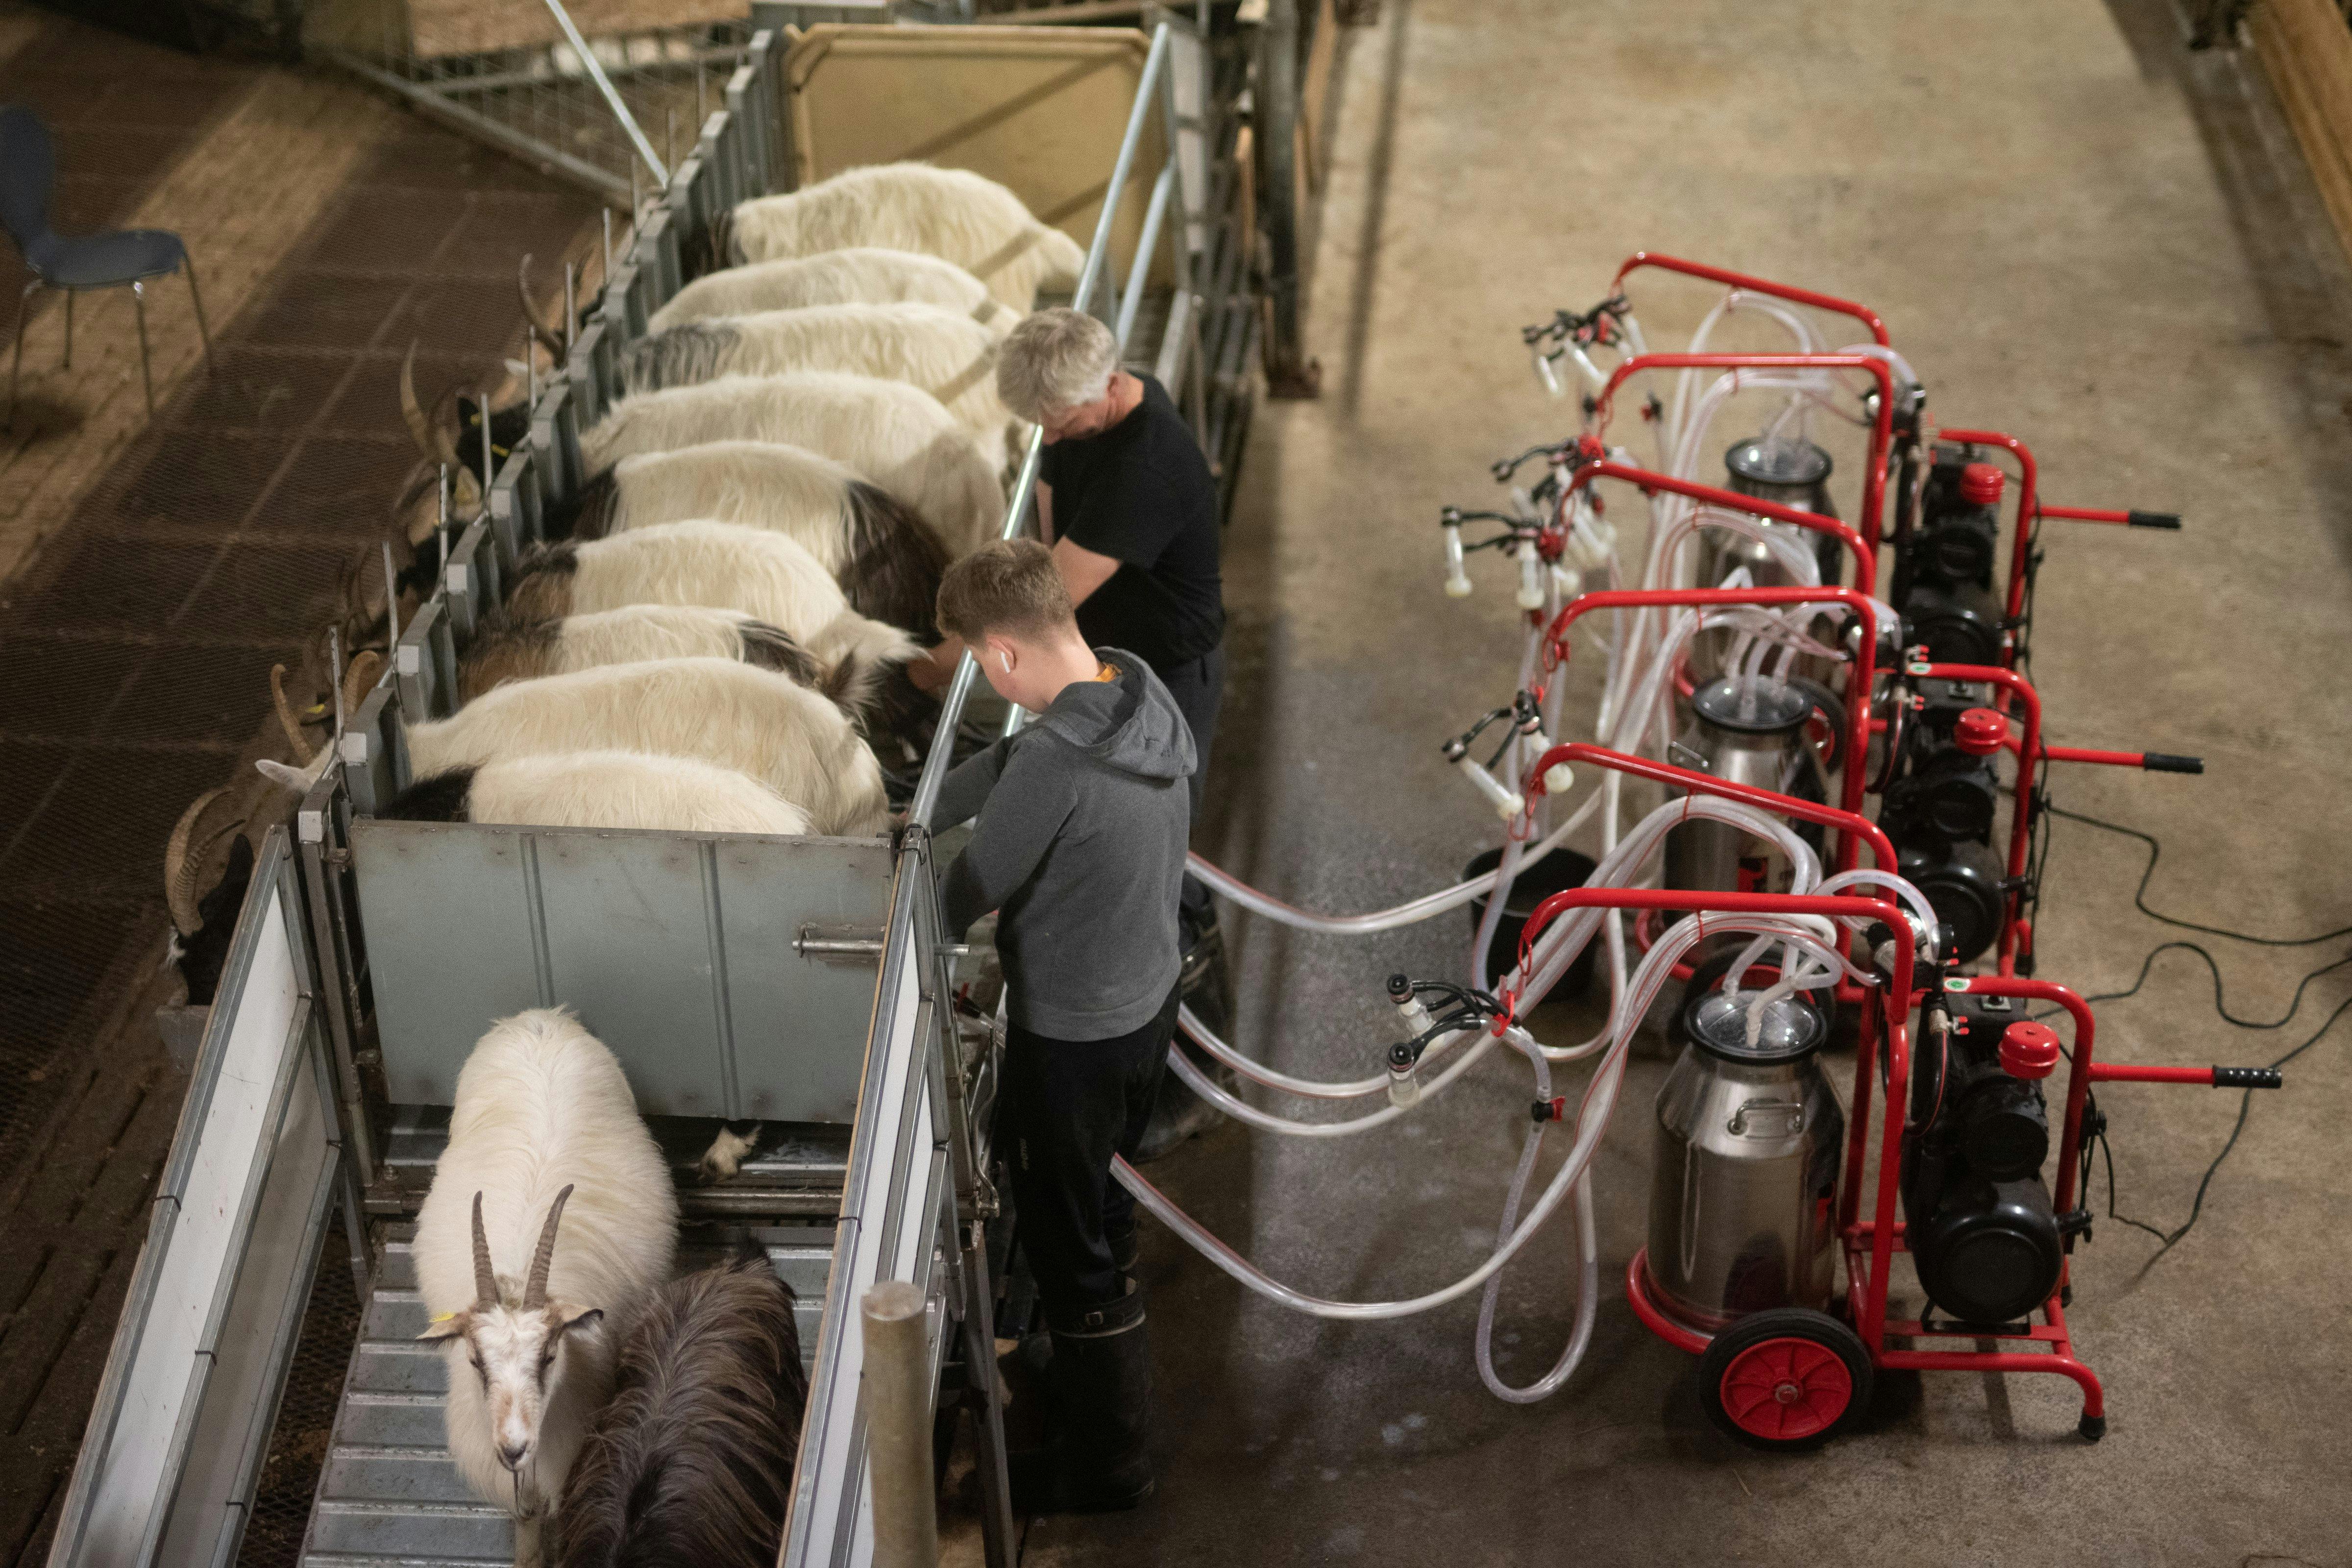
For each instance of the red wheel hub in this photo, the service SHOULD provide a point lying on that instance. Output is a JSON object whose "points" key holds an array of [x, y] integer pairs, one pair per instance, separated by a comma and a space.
{"points": [[1786, 1389]]}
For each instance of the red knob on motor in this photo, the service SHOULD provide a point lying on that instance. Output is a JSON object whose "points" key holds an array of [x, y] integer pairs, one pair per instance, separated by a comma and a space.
{"points": [[1981, 483], [1979, 732], [2029, 1050]]}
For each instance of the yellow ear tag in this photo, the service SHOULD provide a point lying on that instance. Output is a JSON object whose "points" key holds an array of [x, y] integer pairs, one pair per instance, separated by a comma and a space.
{"points": [[441, 1317]]}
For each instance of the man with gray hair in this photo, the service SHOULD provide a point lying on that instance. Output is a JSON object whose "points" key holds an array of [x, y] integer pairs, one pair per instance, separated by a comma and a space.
{"points": [[1127, 501], [1129, 508]]}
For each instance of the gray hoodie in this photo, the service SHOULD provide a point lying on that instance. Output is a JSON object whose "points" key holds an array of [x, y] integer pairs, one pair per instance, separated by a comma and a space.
{"points": [[1080, 846]]}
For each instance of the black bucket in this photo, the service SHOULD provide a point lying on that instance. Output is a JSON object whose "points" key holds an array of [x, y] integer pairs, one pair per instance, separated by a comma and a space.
{"points": [[1537, 880]]}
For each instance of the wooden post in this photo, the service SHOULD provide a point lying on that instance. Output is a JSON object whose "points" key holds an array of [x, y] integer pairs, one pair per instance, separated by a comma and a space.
{"points": [[896, 1391]]}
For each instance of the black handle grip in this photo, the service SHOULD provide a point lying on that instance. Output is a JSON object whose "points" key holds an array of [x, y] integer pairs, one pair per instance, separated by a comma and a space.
{"points": [[2248, 1077], [2166, 762], [2138, 519]]}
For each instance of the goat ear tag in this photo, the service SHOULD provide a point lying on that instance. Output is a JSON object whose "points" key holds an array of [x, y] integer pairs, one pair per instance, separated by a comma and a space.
{"points": [[440, 1317]]}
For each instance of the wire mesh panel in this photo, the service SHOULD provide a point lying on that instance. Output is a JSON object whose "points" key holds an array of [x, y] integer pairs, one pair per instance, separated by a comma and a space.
{"points": [[504, 70]]}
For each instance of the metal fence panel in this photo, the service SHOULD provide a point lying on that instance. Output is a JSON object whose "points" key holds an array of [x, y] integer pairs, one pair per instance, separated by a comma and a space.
{"points": [[677, 949]]}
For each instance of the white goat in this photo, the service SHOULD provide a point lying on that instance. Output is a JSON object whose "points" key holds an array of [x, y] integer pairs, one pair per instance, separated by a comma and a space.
{"points": [[506, 649], [888, 560], [795, 741], [791, 739], [952, 214], [944, 351], [895, 435], [601, 789], [862, 275], [718, 565], [543, 1115]]}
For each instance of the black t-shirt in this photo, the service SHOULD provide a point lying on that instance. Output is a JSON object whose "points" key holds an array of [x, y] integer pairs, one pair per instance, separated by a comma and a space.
{"points": [[1140, 492]]}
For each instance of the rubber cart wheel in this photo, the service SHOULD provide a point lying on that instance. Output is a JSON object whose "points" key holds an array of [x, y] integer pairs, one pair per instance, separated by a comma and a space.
{"points": [[1787, 1378]]}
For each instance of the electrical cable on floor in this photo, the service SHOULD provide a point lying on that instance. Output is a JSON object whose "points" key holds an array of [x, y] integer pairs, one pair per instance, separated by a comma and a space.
{"points": [[2245, 1103], [2140, 894], [2246, 1098]]}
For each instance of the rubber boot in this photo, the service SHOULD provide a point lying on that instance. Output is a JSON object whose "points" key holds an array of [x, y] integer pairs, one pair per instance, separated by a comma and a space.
{"points": [[1207, 986], [1102, 1380]]}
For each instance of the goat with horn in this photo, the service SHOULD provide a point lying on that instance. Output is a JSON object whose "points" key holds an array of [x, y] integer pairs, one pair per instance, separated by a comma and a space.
{"points": [[546, 1152], [201, 924]]}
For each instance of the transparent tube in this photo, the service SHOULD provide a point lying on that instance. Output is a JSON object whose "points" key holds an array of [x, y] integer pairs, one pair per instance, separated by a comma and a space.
{"points": [[1588, 1248], [1235, 890], [1208, 1088], [1599, 1102]]}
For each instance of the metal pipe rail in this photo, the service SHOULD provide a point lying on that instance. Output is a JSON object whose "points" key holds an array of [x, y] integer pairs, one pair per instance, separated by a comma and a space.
{"points": [[1157, 84]]}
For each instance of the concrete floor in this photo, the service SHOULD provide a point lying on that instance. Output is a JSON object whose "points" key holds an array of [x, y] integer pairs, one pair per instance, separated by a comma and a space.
{"points": [[2077, 233]]}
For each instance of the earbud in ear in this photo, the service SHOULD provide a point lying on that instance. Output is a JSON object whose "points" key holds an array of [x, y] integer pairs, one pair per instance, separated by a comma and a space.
{"points": [[1004, 662]]}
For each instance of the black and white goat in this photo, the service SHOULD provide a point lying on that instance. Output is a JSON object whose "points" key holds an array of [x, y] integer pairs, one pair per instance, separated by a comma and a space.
{"points": [[888, 560], [507, 648], [944, 351], [545, 1124], [601, 789], [692, 1461], [794, 740], [715, 566], [896, 436]]}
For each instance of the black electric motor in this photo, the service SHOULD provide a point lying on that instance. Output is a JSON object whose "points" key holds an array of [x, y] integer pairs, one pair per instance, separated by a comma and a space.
{"points": [[1986, 1242], [1940, 809], [1944, 561]]}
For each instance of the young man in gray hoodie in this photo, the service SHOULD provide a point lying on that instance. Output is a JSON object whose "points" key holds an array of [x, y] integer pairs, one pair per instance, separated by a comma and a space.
{"points": [[1079, 847]]}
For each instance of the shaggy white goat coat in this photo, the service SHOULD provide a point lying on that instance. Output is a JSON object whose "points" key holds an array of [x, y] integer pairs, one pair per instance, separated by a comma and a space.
{"points": [[952, 214], [607, 789], [897, 435], [718, 566], [791, 739], [862, 275], [541, 1105], [502, 651], [803, 495], [944, 351], [888, 560]]}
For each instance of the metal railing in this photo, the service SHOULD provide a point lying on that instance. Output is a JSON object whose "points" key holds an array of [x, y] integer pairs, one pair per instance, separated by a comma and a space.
{"points": [[1156, 87]]}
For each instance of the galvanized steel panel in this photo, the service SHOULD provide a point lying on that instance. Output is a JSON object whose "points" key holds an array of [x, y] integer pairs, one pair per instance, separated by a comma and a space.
{"points": [[677, 950]]}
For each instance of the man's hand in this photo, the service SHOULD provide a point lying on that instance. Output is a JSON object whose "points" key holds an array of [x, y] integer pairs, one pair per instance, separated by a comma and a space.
{"points": [[931, 671]]}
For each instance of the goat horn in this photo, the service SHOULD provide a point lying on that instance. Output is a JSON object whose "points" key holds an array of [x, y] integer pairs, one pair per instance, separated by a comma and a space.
{"points": [[486, 1280], [304, 751], [534, 317], [432, 441], [177, 893], [534, 1291], [360, 678]]}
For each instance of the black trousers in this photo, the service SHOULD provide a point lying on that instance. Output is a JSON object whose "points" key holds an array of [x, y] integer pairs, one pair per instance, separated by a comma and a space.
{"points": [[1068, 1106], [1198, 685]]}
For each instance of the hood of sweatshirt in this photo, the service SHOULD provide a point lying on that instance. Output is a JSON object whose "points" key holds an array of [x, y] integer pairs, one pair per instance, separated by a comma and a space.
{"points": [[1131, 723]]}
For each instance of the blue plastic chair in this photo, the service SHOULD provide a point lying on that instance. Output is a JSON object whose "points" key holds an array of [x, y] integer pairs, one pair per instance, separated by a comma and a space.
{"points": [[121, 257]]}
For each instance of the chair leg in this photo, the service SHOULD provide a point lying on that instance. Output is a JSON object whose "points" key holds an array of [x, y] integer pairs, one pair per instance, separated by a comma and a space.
{"points": [[66, 363], [198, 300], [146, 376], [16, 367]]}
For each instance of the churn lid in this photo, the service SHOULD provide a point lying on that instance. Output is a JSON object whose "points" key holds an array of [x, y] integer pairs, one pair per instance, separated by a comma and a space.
{"points": [[1725, 702], [1717, 1024], [1777, 462]]}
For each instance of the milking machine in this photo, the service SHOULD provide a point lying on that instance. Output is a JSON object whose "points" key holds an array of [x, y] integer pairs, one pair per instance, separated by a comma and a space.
{"points": [[1765, 678]]}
